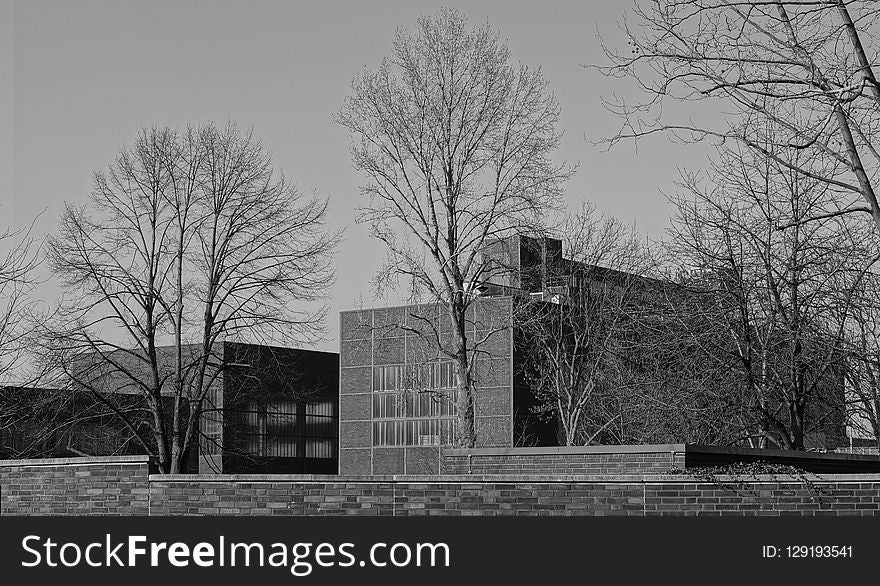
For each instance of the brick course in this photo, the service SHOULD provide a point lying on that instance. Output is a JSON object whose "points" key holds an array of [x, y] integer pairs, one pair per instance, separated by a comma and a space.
{"points": [[271, 497]]}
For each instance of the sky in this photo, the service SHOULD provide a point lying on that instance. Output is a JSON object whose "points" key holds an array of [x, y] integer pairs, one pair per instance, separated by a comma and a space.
{"points": [[79, 79]]}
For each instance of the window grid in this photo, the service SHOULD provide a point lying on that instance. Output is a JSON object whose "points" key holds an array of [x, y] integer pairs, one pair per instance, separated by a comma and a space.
{"points": [[414, 404], [275, 429], [414, 432], [415, 377]]}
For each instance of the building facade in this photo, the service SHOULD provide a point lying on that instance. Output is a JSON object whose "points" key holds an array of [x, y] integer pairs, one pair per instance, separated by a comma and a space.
{"points": [[269, 409], [398, 389], [398, 386], [276, 411]]}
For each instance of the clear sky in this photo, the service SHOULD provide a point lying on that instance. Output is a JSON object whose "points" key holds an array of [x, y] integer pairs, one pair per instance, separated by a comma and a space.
{"points": [[78, 79]]}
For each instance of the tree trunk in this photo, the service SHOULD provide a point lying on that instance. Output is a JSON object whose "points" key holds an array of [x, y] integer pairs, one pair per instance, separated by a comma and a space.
{"points": [[465, 402], [176, 462], [797, 428], [467, 431], [163, 450]]}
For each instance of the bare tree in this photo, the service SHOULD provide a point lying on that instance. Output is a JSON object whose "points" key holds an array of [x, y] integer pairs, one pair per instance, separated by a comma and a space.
{"points": [[19, 258], [804, 67], [40, 422], [606, 362], [189, 238], [669, 390], [577, 337], [455, 141], [775, 301], [862, 372]]}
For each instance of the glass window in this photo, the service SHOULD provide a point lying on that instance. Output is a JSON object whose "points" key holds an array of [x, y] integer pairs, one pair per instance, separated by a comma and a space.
{"points": [[325, 408], [320, 448], [287, 428], [414, 432], [414, 405]]}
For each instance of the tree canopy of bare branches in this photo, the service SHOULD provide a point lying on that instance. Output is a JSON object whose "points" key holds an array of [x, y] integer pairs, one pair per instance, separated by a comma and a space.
{"points": [[862, 373], [773, 305], [19, 257], [805, 67], [604, 360], [455, 142], [576, 340], [190, 237]]}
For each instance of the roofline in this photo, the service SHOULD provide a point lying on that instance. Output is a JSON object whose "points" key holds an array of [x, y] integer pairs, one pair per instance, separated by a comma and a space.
{"points": [[22, 385], [310, 350], [404, 306]]}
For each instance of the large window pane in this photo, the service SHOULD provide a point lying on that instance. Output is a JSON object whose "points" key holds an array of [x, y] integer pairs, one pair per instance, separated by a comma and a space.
{"points": [[415, 404]]}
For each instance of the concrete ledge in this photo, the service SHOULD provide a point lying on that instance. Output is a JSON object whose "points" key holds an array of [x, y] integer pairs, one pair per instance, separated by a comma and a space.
{"points": [[658, 449], [500, 478], [569, 450], [92, 460], [830, 456]]}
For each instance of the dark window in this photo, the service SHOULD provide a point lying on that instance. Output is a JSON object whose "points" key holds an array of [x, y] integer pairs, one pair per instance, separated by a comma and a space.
{"points": [[288, 429]]}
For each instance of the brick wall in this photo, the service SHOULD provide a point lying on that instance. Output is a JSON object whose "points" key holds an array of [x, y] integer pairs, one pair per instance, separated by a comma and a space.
{"points": [[75, 486], [642, 459], [645, 459], [836, 495], [634, 495], [268, 495], [123, 486]]}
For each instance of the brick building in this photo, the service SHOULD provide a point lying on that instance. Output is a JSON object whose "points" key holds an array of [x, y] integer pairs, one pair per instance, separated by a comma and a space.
{"points": [[385, 427], [397, 389]]}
